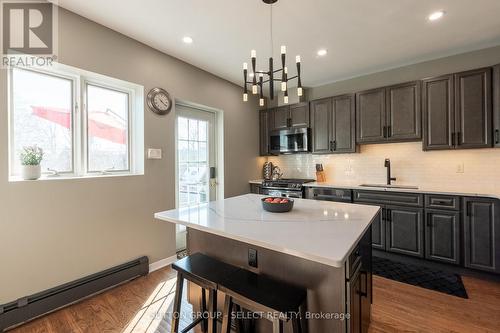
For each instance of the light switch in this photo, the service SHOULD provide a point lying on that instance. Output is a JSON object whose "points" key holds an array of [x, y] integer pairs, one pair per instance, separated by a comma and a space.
{"points": [[154, 154]]}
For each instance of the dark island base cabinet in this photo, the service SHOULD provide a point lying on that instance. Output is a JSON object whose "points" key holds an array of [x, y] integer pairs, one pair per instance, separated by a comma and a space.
{"points": [[482, 234], [442, 236]]}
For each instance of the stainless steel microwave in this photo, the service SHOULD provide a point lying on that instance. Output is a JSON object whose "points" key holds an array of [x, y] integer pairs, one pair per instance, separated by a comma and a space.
{"points": [[290, 141]]}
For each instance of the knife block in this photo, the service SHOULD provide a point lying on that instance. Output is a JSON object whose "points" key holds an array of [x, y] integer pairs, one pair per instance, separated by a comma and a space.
{"points": [[320, 176]]}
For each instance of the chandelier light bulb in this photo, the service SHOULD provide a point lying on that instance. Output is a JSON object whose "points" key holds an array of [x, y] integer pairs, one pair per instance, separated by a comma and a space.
{"points": [[245, 97], [297, 58], [254, 89], [245, 65], [285, 99], [283, 86], [283, 49], [253, 54], [299, 91], [261, 102], [286, 70]]}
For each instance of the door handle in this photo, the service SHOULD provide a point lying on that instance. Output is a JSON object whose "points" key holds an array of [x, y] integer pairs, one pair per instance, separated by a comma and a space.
{"points": [[334, 145], [384, 130], [453, 139], [389, 128], [497, 136], [459, 136]]}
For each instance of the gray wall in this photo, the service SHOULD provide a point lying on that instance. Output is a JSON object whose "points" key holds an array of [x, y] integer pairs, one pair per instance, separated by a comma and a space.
{"points": [[456, 63], [55, 231]]}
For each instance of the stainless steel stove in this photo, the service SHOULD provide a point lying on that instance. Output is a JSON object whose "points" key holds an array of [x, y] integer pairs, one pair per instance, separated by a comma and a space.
{"points": [[285, 187]]}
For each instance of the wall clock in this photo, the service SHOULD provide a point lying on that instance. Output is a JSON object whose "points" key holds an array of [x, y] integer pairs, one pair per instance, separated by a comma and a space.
{"points": [[159, 101]]}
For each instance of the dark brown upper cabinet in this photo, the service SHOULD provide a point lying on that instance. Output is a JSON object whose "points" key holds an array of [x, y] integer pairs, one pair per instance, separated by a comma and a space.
{"points": [[438, 113], [299, 115], [321, 113], [389, 114], [496, 106], [333, 125], [265, 119], [404, 112], [473, 116], [343, 124], [458, 111], [370, 116], [296, 115], [281, 115]]}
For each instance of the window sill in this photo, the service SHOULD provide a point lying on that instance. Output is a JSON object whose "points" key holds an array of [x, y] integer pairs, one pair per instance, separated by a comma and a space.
{"points": [[15, 179]]}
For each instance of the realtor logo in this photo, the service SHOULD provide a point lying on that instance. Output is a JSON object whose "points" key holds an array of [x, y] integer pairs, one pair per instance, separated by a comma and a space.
{"points": [[28, 28]]}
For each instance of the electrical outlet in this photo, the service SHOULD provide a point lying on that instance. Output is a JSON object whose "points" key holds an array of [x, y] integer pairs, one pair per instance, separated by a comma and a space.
{"points": [[252, 257], [460, 168]]}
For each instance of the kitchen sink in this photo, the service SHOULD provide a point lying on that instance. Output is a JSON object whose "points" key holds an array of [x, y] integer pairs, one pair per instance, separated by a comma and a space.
{"points": [[408, 187]]}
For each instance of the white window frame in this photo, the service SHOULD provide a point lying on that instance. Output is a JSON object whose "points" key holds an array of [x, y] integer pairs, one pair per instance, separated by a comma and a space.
{"points": [[80, 80]]}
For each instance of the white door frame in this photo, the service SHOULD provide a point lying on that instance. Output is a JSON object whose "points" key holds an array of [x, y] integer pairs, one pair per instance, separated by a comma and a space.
{"points": [[218, 146]]}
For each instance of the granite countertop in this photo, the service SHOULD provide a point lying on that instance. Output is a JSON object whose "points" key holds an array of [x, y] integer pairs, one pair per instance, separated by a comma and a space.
{"points": [[320, 231], [426, 189]]}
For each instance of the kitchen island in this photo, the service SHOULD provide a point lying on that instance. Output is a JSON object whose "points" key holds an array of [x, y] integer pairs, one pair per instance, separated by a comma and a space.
{"points": [[324, 247]]}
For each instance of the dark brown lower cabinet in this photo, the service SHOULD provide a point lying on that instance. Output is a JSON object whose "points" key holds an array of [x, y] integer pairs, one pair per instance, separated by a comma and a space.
{"points": [[405, 230], [482, 234], [442, 236]]}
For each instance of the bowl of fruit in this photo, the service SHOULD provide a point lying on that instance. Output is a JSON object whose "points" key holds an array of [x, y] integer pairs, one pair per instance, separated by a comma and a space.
{"points": [[277, 205]]}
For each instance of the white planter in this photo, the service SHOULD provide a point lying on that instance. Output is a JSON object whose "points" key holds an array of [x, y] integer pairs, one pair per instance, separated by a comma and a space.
{"points": [[31, 172]]}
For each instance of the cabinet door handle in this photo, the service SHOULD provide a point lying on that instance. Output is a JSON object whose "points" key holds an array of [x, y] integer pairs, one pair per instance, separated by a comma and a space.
{"points": [[389, 128], [453, 139], [497, 136], [459, 136], [384, 130], [334, 145], [468, 209], [364, 293]]}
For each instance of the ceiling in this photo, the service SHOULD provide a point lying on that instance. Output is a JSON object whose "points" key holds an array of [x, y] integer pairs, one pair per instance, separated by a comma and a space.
{"points": [[361, 36]]}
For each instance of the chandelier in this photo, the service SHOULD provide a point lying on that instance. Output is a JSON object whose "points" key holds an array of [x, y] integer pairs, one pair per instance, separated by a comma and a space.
{"points": [[257, 77]]}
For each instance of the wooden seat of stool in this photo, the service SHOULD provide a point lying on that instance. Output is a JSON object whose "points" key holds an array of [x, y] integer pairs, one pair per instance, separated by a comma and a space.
{"points": [[207, 273], [257, 292]]}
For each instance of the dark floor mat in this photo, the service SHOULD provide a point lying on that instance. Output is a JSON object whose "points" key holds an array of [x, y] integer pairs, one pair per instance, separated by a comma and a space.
{"points": [[421, 276]]}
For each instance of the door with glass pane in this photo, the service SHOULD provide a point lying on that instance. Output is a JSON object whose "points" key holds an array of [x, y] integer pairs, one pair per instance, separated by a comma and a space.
{"points": [[195, 156]]}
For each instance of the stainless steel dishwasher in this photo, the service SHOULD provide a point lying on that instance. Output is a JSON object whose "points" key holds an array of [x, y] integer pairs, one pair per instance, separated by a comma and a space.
{"points": [[329, 194]]}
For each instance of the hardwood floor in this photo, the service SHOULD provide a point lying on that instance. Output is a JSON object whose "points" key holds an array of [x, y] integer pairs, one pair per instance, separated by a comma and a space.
{"points": [[141, 306]]}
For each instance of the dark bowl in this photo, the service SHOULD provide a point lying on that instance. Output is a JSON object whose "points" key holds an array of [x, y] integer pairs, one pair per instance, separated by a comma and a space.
{"points": [[277, 207]]}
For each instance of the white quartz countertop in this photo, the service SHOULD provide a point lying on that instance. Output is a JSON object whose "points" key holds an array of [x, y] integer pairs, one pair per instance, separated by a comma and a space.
{"points": [[460, 191], [319, 231]]}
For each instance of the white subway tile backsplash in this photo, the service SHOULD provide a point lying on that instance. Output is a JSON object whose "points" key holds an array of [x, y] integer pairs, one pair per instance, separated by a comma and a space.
{"points": [[411, 166]]}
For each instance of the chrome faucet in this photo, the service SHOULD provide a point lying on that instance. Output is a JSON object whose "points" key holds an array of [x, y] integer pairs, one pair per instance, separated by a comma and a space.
{"points": [[387, 164]]}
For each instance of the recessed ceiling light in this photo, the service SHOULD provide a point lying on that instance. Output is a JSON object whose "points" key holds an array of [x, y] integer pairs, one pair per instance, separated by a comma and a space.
{"points": [[322, 52], [436, 15], [187, 40]]}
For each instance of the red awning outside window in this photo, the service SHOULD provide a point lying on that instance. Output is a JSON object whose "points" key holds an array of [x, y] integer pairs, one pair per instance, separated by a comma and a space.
{"points": [[104, 125]]}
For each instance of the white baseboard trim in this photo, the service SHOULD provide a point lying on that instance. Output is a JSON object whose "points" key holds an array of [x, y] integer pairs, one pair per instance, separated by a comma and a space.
{"points": [[162, 263]]}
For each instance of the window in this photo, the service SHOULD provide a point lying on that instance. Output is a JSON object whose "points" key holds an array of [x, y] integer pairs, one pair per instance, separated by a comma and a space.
{"points": [[43, 115], [102, 137]]}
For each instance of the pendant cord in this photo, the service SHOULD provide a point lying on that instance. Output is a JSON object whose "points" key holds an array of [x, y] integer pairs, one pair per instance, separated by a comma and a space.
{"points": [[271, 28]]}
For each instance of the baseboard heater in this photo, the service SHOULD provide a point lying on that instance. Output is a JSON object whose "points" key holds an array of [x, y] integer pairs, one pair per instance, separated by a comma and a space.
{"points": [[30, 307]]}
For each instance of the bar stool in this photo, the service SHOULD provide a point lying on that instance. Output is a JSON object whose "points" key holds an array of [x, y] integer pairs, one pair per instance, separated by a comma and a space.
{"points": [[207, 273], [259, 293]]}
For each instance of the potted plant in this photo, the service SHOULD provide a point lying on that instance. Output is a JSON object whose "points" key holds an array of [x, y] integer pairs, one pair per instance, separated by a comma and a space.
{"points": [[31, 157]]}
